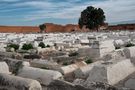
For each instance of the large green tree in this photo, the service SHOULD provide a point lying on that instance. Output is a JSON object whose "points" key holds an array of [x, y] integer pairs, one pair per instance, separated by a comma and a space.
{"points": [[42, 27], [92, 18]]}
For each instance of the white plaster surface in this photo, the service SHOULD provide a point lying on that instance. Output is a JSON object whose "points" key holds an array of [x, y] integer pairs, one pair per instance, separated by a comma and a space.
{"points": [[43, 76], [9, 82], [4, 68], [111, 72]]}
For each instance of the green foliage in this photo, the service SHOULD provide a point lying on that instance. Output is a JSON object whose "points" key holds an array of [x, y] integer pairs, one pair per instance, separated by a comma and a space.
{"points": [[47, 45], [15, 46], [42, 45], [65, 63], [92, 18], [42, 27], [117, 47], [89, 60], [129, 45], [73, 54], [27, 46]]}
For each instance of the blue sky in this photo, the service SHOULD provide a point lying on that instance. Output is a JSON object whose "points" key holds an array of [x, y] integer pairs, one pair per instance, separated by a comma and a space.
{"points": [[35, 12]]}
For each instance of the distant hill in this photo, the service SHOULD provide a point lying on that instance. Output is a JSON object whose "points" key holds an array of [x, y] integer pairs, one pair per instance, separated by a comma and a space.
{"points": [[123, 22]]}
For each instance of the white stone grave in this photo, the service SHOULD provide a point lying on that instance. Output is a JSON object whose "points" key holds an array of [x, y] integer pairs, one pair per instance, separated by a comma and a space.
{"points": [[43, 76], [9, 82], [111, 72]]}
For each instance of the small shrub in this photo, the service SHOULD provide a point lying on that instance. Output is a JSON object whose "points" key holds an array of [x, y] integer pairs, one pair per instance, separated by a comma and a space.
{"points": [[47, 45], [89, 60], [27, 47], [15, 46], [129, 45], [73, 54], [65, 63], [117, 47], [42, 45]]}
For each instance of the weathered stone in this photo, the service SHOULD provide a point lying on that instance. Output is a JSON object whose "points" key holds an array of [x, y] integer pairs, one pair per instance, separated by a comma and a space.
{"points": [[15, 65], [132, 60], [43, 76], [129, 52], [44, 64], [9, 82], [116, 55], [68, 69], [83, 72], [111, 72], [130, 83], [88, 51], [97, 85], [63, 85], [7, 54], [118, 43], [104, 44], [98, 49], [4, 68]]}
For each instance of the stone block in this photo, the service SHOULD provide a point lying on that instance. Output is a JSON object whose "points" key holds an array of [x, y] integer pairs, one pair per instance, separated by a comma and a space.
{"points": [[44, 64], [83, 72], [111, 72], [15, 65], [129, 52], [130, 83], [9, 82], [43, 76], [4, 68]]}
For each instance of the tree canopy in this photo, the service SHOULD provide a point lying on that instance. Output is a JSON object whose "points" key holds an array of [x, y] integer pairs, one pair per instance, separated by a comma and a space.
{"points": [[92, 18], [42, 27]]}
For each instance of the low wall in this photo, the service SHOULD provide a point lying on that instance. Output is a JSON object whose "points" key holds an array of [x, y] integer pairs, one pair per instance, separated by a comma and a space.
{"points": [[19, 29]]}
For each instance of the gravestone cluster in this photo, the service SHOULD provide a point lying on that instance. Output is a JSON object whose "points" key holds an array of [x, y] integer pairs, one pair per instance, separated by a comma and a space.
{"points": [[68, 61]]}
